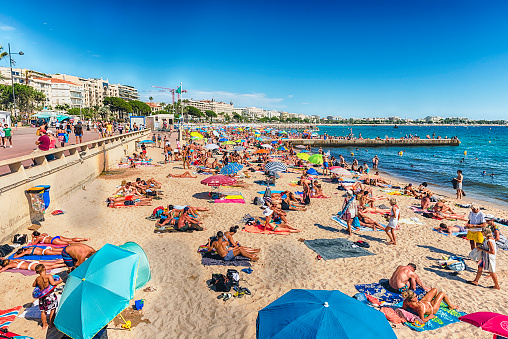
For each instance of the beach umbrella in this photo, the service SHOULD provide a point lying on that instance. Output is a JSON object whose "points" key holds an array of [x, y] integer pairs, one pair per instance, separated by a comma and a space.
{"points": [[239, 148], [488, 321], [282, 148], [215, 133], [274, 142], [240, 140], [275, 166], [147, 142], [218, 180], [304, 151], [196, 135], [283, 132], [316, 159], [259, 139], [303, 156], [321, 314], [231, 168], [223, 139], [341, 171], [261, 151], [266, 146], [228, 143], [97, 291], [212, 146], [312, 171], [144, 274]]}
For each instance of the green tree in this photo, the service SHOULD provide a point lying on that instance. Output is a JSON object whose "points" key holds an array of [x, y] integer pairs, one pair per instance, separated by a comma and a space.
{"points": [[210, 115], [27, 98], [237, 117], [151, 99], [193, 111], [139, 107], [117, 106]]}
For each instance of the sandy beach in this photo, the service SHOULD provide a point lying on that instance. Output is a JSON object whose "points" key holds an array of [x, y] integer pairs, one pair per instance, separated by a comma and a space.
{"points": [[184, 307]]}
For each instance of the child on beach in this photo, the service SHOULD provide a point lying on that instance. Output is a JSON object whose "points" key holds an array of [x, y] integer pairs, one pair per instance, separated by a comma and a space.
{"points": [[393, 224], [49, 302]]}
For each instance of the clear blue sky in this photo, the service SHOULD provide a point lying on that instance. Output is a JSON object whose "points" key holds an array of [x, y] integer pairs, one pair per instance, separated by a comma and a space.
{"points": [[357, 58]]}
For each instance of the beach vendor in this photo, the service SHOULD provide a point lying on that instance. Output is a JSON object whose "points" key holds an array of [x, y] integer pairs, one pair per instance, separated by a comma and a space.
{"points": [[75, 254], [475, 225], [44, 286], [404, 278]]}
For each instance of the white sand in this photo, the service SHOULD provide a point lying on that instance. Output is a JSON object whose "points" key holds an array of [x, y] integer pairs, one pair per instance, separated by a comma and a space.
{"points": [[183, 306]]}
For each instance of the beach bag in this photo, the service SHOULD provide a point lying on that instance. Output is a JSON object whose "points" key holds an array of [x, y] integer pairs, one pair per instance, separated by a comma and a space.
{"points": [[454, 183], [258, 201], [20, 239], [219, 281], [157, 212], [475, 255], [306, 199], [5, 250], [457, 266], [233, 277]]}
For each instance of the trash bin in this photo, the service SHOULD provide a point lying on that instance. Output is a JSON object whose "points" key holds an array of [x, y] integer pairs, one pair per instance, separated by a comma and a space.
{"points": [[36, 198], [45, 195]]}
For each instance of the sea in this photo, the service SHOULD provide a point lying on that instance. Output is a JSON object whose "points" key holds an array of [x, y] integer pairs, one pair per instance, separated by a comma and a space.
{"points": [[482, 148]]}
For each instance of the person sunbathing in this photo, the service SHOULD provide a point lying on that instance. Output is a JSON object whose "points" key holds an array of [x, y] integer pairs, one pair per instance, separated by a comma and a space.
{"points": [[8, 264], [318, 191], [127, 189], [368, 222], [186, 175], [44, 238], [428, 305], [232, 243], [425, 202], [440, 210], [187, 222], [228, 254], [271, 222], [404, 278], [374, 210], [287, 205], [409, 190], [129, 200], [443, 228], [37, 251]]}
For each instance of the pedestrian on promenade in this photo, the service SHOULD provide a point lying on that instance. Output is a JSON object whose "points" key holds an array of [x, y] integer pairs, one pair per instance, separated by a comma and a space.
{"points": [[8, 135], [2, 135], [43, 142], [78, 131]]}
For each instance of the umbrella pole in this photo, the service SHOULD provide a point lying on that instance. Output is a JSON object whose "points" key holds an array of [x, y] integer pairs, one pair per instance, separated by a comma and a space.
{"points": [[127, 324]]}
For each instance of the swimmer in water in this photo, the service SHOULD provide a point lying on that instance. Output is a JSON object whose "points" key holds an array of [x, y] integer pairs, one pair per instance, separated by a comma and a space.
{"points": [[492, 175], [484, 173]]}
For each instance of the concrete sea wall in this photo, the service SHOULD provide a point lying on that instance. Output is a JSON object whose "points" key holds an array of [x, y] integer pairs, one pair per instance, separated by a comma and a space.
{"points": [[72, 167]]}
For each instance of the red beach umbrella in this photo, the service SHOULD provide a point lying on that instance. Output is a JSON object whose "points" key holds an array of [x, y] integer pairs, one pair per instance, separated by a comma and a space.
{"points": [[488, 321], [218, 180]]}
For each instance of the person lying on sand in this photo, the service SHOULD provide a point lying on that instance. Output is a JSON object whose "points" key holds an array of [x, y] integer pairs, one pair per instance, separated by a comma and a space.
{"points": [[409, 190], [440, 210], [76, 254], [184, 175], [428, 305], [270, 222], [228, 254], [44, 238], [374, 210], [232, 243], [37, 251], [368, 222], [443, 228], [7, 264], [288, 205], [404, 278], [129, 200]]}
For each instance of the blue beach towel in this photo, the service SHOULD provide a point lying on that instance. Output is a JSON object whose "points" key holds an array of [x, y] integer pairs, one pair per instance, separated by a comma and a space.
{"points": [[457, 234], [444, 316], [37, 257], [273, 191], [378, 291], [361, 228]]}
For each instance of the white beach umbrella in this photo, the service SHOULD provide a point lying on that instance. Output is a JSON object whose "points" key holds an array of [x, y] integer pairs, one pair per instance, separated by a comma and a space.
{"points": [[212, 146], [266, 146]]}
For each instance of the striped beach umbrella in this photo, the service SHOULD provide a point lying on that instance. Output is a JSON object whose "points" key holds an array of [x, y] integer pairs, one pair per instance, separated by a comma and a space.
{"points": [[275, 166], [231, 168]]}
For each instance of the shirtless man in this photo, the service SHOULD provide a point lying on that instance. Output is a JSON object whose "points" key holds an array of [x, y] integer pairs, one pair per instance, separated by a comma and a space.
{"points": [[37, 251], [186, 222], [44, 238], [404, 278], [368, 222], [28, 265], [228, 254], [409, 190], [76, 254]]}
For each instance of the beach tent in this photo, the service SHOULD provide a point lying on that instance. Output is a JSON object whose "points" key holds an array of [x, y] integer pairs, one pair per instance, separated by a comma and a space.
{"points": [[144, 273], [321, 314], [97, 291]]}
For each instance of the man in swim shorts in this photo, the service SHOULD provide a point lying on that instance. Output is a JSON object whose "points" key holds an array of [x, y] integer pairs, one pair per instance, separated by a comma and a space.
{"points": [[75, 254], [404, 278], [49, 302]]}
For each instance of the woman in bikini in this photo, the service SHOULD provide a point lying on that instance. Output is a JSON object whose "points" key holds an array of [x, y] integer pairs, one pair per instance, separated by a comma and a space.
{"points": [[28, 265], [44, 238], [428, 305], [318, 191], [269, 218], [184, 175], [37, 251]]}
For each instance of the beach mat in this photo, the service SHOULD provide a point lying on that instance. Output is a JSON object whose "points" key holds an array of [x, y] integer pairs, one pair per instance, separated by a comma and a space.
{"points": [[378, 291], [38, 257], [336, 248], [361, 228], [457, 234], [209, 259], [443, 317], [259, 229], [7, 316], [30, 273], [229, 201], [273, 191], [262, 183]]}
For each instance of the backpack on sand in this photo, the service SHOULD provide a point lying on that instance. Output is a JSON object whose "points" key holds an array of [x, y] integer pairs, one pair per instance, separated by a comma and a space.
{"points": [[220, 283]]}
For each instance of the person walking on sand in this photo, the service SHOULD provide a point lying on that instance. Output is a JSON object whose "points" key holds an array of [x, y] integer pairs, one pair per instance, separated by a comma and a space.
{"points": [[488, 251], [475, 225], [393, 224], [459, 180]]}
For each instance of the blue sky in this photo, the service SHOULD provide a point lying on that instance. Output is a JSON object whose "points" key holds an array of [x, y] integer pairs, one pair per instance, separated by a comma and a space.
{"points": [[352, 59]]}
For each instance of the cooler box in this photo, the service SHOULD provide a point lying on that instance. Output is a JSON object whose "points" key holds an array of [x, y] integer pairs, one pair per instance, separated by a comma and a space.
{"points": [[45, 194]]}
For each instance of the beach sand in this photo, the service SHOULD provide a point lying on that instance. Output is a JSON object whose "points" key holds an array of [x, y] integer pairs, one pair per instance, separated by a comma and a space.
{"points": [[184, 307]]}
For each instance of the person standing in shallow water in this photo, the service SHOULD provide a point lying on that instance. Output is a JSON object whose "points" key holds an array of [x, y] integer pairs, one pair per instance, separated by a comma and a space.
{"points": [[375, 162], [459, 179]]}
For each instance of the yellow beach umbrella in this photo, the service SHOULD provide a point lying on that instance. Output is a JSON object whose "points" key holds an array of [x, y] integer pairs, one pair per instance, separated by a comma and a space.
{"points": [[303, 156], [196, 135]]}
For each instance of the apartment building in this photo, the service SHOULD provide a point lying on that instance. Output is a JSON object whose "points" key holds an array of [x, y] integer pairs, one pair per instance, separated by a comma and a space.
{"points": [[211, 105], [127, 93], [64, 92], [154, 106]]}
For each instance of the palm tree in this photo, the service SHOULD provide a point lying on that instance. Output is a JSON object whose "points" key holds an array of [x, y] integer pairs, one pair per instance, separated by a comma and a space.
{"points": [[2, 55], [151, 99]]}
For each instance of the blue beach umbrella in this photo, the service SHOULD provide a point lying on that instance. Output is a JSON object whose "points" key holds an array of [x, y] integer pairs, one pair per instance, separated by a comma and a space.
{"points": [[321, 314], [274, 142], [304, 151], [223, 139], [312, 171], [97, 291], [147, 142], [231, 168]]}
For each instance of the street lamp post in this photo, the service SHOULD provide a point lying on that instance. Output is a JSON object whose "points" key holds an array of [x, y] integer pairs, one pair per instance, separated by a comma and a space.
{"points": [[12, 79]]}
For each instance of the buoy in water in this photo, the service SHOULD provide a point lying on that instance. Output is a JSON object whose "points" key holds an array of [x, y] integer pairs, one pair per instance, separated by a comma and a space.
{"points": [[465, 152], [352, 154]]}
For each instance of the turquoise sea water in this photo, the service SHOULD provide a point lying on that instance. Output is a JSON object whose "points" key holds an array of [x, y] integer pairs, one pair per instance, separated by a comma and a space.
{"points": [[438, 165]]}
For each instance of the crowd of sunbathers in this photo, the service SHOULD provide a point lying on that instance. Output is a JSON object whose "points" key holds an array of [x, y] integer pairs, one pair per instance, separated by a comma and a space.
{"points": [[181, 218], [138, 193]]}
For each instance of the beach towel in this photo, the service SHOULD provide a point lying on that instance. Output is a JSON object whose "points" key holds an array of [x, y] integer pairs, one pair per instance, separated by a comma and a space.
{"points": [[209, 259], [44, 245], [411, 221], [378, 291], [443, 317], [7, 316], [262, 183], [336, 248], [361, 228], [30, 273], [457, 234], [259, 229], [38, 257], [273, 191], [229, 201]]}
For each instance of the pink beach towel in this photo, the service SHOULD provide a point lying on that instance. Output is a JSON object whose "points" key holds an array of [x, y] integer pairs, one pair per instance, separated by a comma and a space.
{"points": [[259, 229], [229, 201]]}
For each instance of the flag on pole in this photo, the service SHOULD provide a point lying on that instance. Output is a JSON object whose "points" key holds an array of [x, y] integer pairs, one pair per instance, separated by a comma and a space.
{"points": [[179, 90]]}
